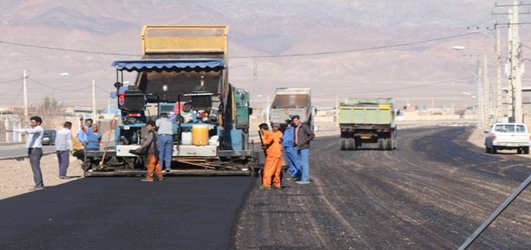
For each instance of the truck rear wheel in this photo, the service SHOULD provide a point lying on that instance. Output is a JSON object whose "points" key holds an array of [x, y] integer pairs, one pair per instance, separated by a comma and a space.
{"points": [[388, 144], [381, 143], [526, 150], [343, 143], [351, 144]]}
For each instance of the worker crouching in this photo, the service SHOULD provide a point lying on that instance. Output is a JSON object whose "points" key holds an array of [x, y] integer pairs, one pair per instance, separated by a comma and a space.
{"points": [[151, 148], [271, 143]]}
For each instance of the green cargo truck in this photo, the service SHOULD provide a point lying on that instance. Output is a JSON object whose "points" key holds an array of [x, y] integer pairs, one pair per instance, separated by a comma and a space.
{"points": [[367, 120]]}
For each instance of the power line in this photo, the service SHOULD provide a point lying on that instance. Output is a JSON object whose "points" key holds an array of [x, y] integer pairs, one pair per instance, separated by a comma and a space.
{"points": [[266, 56], [102, 89], [362, 49], [58, 89], [10, 81], [68, 50], [421, 85]]}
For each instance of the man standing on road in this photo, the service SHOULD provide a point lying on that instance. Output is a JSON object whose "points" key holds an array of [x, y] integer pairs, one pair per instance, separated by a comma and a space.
{"points": [[165, 133], [63, 146], [303, 136], [290, 154], [34, 145], [273, 150], [150, 146]]}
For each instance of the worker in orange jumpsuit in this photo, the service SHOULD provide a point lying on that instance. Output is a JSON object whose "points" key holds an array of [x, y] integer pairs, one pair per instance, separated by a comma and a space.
{"points": [[271, 142]]}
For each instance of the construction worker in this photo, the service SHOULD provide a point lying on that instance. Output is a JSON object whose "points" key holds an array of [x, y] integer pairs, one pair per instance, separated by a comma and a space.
{"points": [[290, 154], [279, 136], [150, 147], [165, 140], [271, 143], [303, 136]]}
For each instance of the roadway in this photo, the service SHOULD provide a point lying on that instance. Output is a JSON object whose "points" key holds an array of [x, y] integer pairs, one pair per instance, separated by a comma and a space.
{"points": [[125, 213], [430, 193]]}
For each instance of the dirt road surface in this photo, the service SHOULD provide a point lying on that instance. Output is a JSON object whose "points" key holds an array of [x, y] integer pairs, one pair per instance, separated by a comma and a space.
{"points": [[430, 193]]}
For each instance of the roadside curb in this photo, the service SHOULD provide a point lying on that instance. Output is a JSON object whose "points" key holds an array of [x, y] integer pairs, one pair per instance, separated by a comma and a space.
{"points": [[21, 157]]}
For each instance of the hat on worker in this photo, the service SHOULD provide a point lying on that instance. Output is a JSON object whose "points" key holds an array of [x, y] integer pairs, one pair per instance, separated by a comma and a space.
{"points": [[276, 125]]}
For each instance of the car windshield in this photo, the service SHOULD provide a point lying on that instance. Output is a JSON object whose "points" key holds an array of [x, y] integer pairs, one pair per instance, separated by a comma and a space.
{"points": [[49, 132]]}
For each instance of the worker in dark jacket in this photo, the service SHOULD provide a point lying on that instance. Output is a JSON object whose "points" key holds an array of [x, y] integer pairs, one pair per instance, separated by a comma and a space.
{"points": [[303, 136], [150, 147]]}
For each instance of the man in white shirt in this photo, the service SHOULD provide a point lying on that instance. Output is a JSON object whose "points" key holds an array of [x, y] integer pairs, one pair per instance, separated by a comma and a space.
{"points": [[63, 146], [165, 133], [34, 145]]}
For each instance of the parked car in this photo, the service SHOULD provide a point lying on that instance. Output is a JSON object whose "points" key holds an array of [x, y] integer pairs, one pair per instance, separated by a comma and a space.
{"points": [[48, 138], [502, 136]]}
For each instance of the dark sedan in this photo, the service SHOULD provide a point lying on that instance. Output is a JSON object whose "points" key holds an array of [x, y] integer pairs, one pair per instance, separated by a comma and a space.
{"points": [[48, 138]]}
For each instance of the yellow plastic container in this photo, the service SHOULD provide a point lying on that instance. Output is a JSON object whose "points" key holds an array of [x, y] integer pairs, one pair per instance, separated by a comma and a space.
{"points": [[200, 135]]}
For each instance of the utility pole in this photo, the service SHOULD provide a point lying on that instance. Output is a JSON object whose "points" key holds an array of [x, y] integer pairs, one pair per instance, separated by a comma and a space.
{"points": [[515, 76], [479, 97], [498, 106], [93, 99], [486, 94], [25, 90]]}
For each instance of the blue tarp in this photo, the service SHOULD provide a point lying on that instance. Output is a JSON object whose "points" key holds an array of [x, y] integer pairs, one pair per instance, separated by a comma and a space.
{"points": [[167, 64]]}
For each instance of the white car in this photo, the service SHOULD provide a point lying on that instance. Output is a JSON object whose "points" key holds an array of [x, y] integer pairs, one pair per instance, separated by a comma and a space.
{"points": [[502, 136]]}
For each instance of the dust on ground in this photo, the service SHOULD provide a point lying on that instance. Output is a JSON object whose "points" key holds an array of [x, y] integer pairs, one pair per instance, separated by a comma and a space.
{"points": [[16, 177]]}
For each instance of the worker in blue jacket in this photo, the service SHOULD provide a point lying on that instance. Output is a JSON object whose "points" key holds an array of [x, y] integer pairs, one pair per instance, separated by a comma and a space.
{"points": [[290, 154]]}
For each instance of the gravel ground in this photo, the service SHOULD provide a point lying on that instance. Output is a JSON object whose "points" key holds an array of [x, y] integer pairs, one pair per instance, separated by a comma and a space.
{"points": [[16, 177]]}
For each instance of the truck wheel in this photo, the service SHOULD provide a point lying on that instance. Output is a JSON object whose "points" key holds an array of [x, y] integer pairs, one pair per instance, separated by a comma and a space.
{"points": [[351, 144], [358, 142], [388, 144], [526, 150], [381, 144], [519, 150], [343, 143]]}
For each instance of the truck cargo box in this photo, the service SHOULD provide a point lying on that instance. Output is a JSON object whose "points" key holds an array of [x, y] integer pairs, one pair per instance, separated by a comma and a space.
{"points": [[367, 120], [291, 101]]}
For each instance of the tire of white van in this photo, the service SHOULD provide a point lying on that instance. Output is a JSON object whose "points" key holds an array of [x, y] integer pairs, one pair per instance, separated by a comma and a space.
{"points": [[526, 150]]}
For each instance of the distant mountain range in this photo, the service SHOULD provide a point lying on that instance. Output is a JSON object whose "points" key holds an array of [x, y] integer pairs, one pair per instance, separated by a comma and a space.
{"points": [[340, 48]]}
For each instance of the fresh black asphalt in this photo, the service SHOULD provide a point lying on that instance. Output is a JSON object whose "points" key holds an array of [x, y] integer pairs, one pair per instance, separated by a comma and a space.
{"points": [[124, 213]]}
